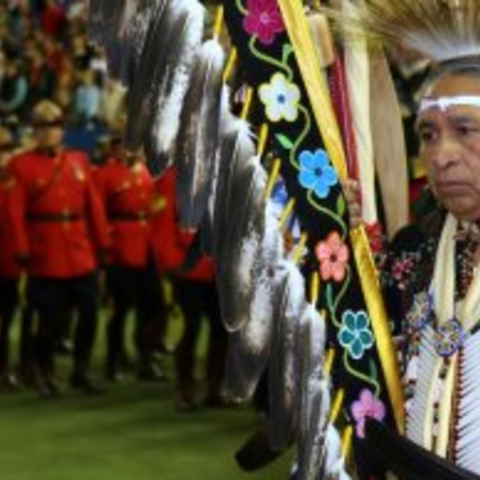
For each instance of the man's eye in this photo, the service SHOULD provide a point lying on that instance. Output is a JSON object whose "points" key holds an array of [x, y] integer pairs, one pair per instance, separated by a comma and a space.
{"points": [[426, 135], [466, 130]]}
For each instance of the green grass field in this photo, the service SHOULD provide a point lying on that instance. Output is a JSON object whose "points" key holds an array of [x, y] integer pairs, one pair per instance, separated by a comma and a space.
{"points": [[131, 433]]}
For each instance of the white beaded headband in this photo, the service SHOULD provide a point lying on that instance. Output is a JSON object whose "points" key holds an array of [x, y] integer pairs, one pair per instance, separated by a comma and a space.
{"points": [[444, 103]]}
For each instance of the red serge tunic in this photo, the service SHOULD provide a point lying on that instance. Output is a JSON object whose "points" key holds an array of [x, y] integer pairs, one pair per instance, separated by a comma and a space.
{"points": [[127, 192], [171, 242], [9, 268], [57, 218]]}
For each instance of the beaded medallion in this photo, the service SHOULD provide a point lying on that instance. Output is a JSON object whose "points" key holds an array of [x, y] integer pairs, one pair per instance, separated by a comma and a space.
{"points": [[449, 337]]}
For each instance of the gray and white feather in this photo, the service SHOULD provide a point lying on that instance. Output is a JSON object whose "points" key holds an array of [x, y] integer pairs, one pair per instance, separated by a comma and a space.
{"points": [[199, 136]]}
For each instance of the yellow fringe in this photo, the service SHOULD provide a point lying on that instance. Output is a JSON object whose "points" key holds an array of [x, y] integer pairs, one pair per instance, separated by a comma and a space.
{"points": [[286, 213], [347, 441], [231, 62], [247, 104], [262, 139], [329, 358], [314, 288], [277, 163], [217, 26], [337, 405], [299, 248]]}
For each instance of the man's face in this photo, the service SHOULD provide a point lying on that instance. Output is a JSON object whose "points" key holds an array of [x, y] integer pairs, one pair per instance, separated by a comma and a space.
{"points": [[49, 136], [117, 150], [450, 147]]}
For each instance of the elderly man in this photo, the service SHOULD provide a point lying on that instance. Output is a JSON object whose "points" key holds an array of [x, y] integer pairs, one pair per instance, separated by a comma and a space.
{"points": [[432, 273]]}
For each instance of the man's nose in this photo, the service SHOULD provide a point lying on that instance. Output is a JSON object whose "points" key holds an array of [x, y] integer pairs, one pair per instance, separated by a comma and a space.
{"points": [[447, 152]]}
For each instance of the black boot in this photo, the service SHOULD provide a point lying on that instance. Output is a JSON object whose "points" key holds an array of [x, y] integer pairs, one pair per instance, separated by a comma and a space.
{"points": [[80, 381]]}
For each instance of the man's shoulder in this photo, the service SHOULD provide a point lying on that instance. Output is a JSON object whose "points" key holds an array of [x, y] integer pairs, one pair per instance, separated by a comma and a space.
{"points": [[77, 156], [24, 156], [418, 240], [22, 162]]}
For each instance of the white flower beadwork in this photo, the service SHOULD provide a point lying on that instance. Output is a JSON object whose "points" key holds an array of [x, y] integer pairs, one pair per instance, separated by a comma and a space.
{"points": [[280, 98]]}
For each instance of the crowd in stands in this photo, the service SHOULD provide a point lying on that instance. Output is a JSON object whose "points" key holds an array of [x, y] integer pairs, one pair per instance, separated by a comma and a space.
{"points": [[45, 54]]}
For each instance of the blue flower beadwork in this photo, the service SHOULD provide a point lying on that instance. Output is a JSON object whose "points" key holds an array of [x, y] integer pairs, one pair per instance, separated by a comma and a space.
{"points": [[316, 173], [355, 335]]}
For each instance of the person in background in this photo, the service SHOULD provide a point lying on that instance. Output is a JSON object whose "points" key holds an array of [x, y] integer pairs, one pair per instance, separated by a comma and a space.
{"points": [[126, 188], [112, 101], [65, 85], [9, 270], [53, 19], [58, 230], [86, 99], [13, 89], [41, 76], [196, 294], [80, 51]]}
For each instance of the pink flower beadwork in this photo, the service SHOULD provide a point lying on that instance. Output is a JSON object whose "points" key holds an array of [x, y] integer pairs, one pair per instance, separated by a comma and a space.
{"points": [[367, 405], [333, 257], [263, 20]]}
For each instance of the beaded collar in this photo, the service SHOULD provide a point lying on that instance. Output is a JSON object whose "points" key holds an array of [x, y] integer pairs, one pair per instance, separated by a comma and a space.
{"points": [[453, 281]]}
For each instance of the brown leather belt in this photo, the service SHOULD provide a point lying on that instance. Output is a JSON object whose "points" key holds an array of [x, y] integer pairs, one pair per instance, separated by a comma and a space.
{"points": [[55, 217], [129, 216]]}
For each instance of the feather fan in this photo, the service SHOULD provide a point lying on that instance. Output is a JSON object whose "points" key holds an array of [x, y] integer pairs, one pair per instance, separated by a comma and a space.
{"points": [[314, 395], [237, 148], [207, 226], [284, 365], [96, 20], [255, 453], [135, 36], [333, 467], [171, 85], [125, 41], [119, 16], [108, 22], [439, 29], [259, 274], [198, 138], [240, 252], [148, 59]]}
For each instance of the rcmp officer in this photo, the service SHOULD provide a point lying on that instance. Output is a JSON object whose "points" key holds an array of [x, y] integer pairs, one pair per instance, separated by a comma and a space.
{"points": [[9, 270], [127, 188], [196, 294], [58, 228]]}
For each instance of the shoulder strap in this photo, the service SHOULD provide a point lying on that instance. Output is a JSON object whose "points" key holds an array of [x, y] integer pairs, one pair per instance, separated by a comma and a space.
{"points": [[121, 188], [59, 164]]}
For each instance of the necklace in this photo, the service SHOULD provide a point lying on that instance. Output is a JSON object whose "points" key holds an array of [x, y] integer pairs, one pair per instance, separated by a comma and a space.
{"points": [[453, 317], [440, 324]]}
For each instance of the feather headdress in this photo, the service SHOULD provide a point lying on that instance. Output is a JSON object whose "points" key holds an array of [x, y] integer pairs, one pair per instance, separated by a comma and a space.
{"points": [[438, 29]]}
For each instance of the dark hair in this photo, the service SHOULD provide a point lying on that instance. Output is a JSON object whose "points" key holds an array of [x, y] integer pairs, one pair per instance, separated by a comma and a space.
{"points": [[464, 66]]}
